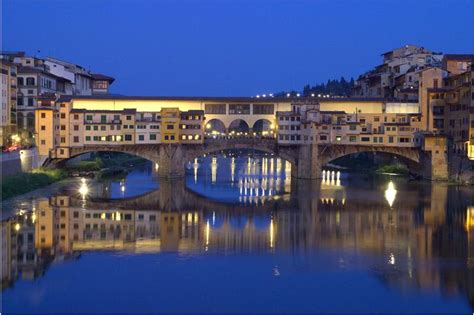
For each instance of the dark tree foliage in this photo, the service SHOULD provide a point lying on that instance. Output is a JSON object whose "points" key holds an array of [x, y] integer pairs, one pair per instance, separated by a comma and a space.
{"points": [[340, 87]]}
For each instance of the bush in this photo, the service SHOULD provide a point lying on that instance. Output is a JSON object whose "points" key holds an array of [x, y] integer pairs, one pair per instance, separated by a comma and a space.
{"points": [[25, 182], [86, 166], [393, 168]]}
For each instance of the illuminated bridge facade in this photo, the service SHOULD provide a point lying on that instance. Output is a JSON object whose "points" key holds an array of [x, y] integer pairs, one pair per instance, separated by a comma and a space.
{"points": [[307, 132]]}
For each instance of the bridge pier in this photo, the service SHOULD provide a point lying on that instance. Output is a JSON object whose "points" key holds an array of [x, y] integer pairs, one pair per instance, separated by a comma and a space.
{"points": [[171, 160], [308, 164], [435, 158]]}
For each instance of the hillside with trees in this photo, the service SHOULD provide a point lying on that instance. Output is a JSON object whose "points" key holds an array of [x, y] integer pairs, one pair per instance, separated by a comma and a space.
{"points": [[341, 87]]}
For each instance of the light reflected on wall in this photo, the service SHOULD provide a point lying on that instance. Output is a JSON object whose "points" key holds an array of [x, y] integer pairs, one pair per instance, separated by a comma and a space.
{"points": [[331, 178]]}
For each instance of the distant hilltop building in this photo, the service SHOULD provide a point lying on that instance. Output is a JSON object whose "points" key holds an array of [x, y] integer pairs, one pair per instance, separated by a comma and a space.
{"points": [[399, 74], [30, 78]]}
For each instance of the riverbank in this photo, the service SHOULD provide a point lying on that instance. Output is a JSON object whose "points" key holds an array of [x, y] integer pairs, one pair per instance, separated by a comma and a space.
{"points": [[98, 167], [25, 182]]}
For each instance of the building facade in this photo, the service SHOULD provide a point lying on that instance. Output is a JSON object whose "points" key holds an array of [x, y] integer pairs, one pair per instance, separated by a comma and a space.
{"points": [[8, 102], [37, 77]]}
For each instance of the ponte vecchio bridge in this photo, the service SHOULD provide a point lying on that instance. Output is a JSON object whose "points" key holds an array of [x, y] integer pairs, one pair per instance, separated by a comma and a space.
{"points": [[307, 132]]}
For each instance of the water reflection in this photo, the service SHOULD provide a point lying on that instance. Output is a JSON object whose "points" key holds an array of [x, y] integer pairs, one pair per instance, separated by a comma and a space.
{"points": [[248, 180], [419, 245]]}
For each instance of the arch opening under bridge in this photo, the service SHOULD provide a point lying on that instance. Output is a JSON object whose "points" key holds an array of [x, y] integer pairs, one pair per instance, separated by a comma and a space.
{"points": [[409, 157]]}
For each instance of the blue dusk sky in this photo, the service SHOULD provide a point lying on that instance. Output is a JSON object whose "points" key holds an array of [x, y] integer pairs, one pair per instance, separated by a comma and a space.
{"points": [[230, 47]]}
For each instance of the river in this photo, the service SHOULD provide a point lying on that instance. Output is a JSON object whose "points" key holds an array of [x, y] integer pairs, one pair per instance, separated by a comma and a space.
{"points": [[239, 235]]}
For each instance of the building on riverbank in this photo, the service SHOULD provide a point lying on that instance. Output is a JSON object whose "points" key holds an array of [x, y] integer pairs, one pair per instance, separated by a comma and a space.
{"points": [[37, 77], [8, 102]]}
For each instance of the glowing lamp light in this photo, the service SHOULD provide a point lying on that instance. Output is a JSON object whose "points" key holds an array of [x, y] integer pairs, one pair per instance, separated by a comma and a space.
{"points": [[390, 193], [17, 227], [84, 190], [208, 126]]}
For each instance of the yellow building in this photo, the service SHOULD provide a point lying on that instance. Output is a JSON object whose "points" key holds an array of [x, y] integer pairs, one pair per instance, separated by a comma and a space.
{"points": [[170, 118]]}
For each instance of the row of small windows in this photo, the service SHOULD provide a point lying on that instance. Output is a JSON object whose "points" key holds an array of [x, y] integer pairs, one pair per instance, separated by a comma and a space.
{"points": [[239, 109], [151, 126], [391, 139], [288, 127], [190, 137], [292, 118], [105, 138], [103, 118], [29, 81]]}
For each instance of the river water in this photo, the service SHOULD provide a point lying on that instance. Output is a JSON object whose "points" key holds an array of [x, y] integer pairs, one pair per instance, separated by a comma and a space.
{"points": [[238, 235]]}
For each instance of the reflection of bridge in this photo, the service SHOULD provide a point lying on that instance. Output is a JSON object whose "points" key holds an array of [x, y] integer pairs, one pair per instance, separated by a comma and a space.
{"points": [[174, 196], [307, 161], [417, 228]]}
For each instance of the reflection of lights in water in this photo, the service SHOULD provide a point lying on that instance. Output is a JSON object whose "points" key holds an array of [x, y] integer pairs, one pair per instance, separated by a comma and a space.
{"points": [[156, 166], [213, 217], [122, 189], [390, 193], [208, 232], [278, 165], [17, 227], [33, 217], [249, 165], [276, 272], [214, 170], [264, 166], [469, 218], [84, 190], [272, 233], [391, 260], [232, 170], [196, 166]]}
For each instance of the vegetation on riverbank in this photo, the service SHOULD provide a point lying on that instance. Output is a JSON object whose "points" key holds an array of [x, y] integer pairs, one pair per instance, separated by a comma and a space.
{"points": [[85, 166], [393, 169], [367, 163], [103, 165], [25, 182]]}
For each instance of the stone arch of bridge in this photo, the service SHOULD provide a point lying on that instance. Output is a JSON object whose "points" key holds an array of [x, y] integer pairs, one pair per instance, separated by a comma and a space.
{"points": [[410, 157], [215, 125], [262, 125], [147, 152], [260, 145], [238, 125]]}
